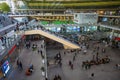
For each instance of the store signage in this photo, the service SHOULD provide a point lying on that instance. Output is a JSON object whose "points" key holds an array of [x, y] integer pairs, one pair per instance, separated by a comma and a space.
{"points": [[90, 16], [11, 33], [85, 18], [5, 67], [117, 38]]}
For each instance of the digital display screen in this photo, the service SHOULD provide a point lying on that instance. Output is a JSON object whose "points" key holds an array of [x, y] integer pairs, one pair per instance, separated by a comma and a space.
{"points": [[58, 29], [74, 28], [104, 19], [69, 29]]}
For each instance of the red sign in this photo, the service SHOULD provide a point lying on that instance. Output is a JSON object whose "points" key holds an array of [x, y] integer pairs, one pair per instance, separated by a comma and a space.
{"points": [[13, 48], [117, 38]]}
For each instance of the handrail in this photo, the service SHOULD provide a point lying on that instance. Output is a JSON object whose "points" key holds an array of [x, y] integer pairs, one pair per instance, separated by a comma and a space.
{"points": [[114, 16], [9, 46], [43, 29], [108, 26]]}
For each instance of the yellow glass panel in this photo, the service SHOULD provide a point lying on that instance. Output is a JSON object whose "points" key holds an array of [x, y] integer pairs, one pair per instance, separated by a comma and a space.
{"points": [[78, 4]]}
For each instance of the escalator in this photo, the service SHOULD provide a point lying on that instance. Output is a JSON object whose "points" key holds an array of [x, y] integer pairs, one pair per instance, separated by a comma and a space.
{"points": [[67, 44]]}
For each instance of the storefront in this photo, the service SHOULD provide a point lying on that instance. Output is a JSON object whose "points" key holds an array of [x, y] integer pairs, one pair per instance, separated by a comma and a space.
{"points": [[33, 37], [8, 58], [5, 67], [16, 49]]}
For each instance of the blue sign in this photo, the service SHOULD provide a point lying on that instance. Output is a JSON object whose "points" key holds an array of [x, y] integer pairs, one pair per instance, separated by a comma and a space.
{"points": [[5, 67]]}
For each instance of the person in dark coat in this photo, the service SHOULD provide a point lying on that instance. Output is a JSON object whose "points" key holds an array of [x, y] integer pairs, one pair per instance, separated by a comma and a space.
{"points": [[20, 64], [58, 77], [17, 63], [92, 74]]}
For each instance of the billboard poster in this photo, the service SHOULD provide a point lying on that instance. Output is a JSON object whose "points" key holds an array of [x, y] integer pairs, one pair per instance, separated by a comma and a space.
{"points": [[5, 67], [85, 18]]}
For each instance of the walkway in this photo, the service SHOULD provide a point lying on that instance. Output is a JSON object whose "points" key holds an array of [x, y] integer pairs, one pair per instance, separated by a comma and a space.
{"points": [[106, 71], [27, 57]]}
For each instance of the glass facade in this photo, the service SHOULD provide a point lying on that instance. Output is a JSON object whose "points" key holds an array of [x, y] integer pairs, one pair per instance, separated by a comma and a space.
{"points": [[73, 29]]}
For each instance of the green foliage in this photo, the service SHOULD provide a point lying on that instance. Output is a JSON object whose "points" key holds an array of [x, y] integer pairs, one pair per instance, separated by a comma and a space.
{"points": [[4, 7]]}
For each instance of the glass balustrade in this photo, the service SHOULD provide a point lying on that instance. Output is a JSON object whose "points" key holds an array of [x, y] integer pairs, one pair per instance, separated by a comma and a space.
{"points": [[116, 25], [37, 25], [1, 26], [86, 27], [8, 42]]}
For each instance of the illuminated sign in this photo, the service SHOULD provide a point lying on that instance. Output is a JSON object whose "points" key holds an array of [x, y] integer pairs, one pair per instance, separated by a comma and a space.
{"points": [[5, 67]]}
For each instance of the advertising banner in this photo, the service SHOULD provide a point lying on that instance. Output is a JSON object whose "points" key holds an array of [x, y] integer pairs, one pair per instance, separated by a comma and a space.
{"points": [[85, 18], [5, 67]]}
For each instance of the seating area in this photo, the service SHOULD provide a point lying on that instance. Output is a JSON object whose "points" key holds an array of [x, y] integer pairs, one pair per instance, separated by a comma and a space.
{"points": [[88, 64]]}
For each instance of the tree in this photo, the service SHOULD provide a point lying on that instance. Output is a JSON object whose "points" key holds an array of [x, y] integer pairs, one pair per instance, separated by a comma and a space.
{"points": [[4, 7]]}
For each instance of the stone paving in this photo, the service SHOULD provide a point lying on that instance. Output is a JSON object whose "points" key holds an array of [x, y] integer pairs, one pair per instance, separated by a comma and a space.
{"points": [[102, 72], [106, 71], [27, 57]]}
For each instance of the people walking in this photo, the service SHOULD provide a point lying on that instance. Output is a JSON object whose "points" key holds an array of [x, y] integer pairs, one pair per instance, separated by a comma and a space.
{"points": [[20, 65], [71, 65], [58, 77], [92, 74], [41, 52], [74, 58], [103, 50], [55, 78], [38, 51], [17, 63]]}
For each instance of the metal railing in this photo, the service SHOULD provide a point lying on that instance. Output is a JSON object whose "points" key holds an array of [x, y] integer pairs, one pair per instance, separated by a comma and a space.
{"points": [[39, 26]]}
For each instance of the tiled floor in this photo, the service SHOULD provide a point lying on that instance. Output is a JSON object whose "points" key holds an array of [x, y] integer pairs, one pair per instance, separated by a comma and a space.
{"points": [[102, 71], [27, 57]]}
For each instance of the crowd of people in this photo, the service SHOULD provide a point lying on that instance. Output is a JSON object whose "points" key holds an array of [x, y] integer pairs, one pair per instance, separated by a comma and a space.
{"points": [[19, 64], [87, 64], [96, 59], [34, 47], [57, 77]]}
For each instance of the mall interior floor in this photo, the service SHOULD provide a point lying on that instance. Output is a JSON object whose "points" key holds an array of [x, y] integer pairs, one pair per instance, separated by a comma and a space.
{"points": [[106, 71], [27, 57], [101, 72]]}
